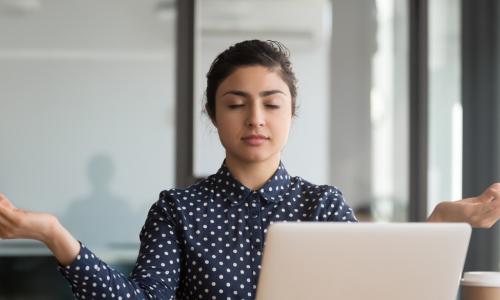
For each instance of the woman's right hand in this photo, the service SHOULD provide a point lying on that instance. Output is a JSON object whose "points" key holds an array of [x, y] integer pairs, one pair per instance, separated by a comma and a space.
{"points": [[16, 223]]}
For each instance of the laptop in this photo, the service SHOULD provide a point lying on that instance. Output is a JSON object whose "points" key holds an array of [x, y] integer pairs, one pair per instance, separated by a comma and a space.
{"points": [[398, 261]]}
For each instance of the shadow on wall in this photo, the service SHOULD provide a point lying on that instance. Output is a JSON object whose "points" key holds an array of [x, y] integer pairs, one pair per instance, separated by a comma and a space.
{"points": [[103, 219], [100, 219]]}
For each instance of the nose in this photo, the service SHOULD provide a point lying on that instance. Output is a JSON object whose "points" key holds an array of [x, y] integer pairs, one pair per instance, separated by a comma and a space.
{"points": [[255, 117]]}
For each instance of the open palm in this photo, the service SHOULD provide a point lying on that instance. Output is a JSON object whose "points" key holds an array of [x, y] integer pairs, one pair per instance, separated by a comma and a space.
{"points": [[17, 223]]}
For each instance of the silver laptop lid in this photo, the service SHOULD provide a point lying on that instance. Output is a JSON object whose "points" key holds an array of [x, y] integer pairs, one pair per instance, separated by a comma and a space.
{"points": [[411, 261]]}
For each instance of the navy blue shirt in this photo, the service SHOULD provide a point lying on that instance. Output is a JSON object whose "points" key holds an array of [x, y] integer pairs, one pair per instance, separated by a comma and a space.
{"points": [[206, 241]]}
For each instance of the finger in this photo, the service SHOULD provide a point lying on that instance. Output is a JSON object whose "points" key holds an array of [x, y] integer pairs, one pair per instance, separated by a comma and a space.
{"points": [[4, 202], [4, 228], [490, 218], [3, 210], [496, 195], [491, 193], [8, 214], [495, 186], [486, 215], [4, 224]]}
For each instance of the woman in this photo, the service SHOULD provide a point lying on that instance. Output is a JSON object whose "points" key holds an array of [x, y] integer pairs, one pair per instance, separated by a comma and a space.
{"points": [[206, 241]]}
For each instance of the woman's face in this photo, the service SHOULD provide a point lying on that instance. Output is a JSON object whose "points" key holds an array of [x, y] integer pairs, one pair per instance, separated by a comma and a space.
{"points": [[253, 114]]}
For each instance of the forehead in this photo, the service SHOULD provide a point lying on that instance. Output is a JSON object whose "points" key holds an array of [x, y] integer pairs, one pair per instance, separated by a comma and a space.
{"points": [[253, 79]]}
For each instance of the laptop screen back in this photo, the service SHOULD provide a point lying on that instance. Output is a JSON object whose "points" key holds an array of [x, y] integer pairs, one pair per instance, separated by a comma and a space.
{"points": [[411, 261]]}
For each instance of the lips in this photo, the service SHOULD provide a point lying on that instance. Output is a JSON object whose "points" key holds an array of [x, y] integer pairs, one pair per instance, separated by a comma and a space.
{"points": [[255, 139]]}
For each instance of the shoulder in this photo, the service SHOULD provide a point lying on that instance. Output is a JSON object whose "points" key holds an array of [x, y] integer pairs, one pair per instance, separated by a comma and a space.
{"points": [[320, 190], [327, 200], [181, 197]]}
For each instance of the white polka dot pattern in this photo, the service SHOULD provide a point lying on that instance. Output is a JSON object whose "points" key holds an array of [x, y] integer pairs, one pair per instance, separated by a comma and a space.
{"points": [[206, 241]]}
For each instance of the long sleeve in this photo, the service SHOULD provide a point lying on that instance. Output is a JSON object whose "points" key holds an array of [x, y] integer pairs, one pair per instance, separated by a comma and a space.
{"points": [[155, 275]]}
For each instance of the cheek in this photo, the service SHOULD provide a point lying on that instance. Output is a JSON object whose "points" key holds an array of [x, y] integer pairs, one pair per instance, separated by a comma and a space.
{"points": [[282, 125], [225, 127]]}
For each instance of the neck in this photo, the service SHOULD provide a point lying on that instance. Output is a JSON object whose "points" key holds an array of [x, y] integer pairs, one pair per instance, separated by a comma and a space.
{"points": [[253, 175]]}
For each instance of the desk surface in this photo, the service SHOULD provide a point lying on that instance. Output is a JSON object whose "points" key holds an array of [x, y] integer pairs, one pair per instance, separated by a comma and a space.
{"points": [[111, 254]]}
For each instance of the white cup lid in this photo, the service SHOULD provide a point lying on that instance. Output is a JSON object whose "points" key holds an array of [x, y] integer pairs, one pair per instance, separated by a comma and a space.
{"points": [[487, 279]]}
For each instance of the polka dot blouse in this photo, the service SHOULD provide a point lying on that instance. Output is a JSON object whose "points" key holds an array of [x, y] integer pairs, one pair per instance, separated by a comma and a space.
{"points": [[206, 241]]}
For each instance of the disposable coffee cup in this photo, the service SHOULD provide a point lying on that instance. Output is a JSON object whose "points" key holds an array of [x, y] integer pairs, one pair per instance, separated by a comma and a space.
{"points": [[480, 286]]}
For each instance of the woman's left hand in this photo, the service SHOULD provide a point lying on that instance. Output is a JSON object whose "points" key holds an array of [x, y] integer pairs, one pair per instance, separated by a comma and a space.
{"points": [[482, 211]]}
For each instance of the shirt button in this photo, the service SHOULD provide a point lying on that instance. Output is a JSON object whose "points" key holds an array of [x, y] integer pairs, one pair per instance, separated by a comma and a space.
{"points": [[254, 210]]}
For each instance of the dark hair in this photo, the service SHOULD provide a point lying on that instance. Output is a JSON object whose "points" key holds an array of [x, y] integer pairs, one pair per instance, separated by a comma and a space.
{"points": [[271, 54]]}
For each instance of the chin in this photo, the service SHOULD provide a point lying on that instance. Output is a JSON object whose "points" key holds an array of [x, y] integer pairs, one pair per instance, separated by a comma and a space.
{"points": [[255, 157]]}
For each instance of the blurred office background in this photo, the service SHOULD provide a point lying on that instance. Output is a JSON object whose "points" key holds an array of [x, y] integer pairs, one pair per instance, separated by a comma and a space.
{"points": [[97, 117]]}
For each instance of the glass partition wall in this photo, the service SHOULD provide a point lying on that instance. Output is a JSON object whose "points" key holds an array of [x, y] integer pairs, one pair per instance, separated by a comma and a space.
{"points": [[87, 126], [445, 103]]}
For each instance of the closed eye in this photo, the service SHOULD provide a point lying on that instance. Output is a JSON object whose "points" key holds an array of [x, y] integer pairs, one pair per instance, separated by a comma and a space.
{"points": [[272, 106], [235, 106]]}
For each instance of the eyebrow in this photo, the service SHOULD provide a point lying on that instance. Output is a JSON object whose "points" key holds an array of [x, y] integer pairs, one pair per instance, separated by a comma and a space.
{"points": [[261, 94]]}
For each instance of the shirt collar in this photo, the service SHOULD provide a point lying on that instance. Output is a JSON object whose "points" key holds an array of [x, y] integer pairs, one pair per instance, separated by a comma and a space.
{"points": [[271, 191]]}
